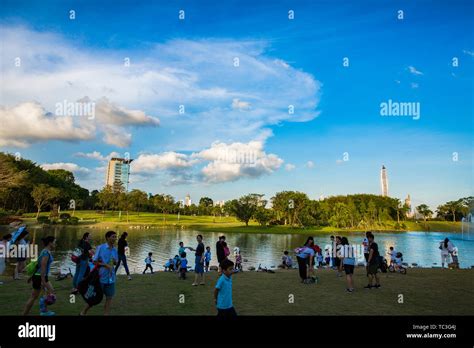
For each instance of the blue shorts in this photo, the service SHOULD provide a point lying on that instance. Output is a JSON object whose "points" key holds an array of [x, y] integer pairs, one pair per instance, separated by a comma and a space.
{"points": [[199, 265], [108, 289]]}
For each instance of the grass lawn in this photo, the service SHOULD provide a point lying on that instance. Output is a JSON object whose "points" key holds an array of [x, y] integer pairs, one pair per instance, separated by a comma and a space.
{"points": [[425, 292], [218, 224]]}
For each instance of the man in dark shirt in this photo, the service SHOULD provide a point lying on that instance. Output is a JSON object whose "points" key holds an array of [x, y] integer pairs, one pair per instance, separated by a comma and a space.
{"points": [[122, 244], [199, 262], [220, 251], [373, 263]]}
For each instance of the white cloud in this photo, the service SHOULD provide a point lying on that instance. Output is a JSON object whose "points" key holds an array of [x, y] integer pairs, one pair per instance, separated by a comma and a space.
{"points": [[29, 122], [220, 162], [239, 104], [198, 74], [72, 167], [414, 85], [470, 53], [289, 167], [96, 155], [230, 162], [310, 164], [413, 70], [151, 163]]}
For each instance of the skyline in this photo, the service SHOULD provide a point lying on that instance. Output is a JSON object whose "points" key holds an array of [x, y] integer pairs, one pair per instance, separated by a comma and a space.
{"points": [[181, 102]]}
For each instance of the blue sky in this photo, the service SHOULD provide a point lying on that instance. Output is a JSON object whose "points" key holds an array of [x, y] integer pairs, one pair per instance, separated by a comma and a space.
{"points": [[282, 62]]}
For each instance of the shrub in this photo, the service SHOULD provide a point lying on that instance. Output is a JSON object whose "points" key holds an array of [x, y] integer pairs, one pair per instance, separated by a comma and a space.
{"points": [[43, 220], [64, 216]]}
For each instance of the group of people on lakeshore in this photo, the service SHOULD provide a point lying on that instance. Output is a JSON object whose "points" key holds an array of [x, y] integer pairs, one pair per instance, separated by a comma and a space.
{"points": [[104, 261]]}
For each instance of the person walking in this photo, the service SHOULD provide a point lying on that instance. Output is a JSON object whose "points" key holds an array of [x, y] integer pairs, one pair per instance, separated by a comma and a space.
{"points": [[83, 264], [122, 257], [40, 279], [105, 258]]}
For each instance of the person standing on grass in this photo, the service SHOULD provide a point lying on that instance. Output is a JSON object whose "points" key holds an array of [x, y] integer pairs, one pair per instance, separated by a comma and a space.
{"points": [[4, 243], [207, 258], [21, 250], [348, 262], [122, 258], [365, 245], [223, 291], [83, 264], [183, 266], [199, 262], [446, 248], [373, 263], [333, 247], [40, 279], [220, 253], [106, 257], [337, 259]]}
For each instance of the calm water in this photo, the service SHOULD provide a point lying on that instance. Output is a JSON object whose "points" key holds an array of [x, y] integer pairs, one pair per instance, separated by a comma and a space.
{"points": [[265, 249]]}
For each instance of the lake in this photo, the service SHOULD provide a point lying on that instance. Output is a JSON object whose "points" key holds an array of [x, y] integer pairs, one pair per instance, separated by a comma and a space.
{"points": [[265, 249]]}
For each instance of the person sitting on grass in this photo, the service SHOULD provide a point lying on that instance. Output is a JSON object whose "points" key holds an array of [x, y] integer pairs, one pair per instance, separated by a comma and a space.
{"points": [[40, 279], [148, 262], [286, 260], [397, 262], [373, 263], [106, 258], [348, 262], [223, 291], [183, 266], [207, 258]]}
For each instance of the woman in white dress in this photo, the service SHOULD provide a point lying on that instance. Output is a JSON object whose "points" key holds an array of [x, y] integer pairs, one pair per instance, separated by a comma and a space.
{"points": [[446, 248]]}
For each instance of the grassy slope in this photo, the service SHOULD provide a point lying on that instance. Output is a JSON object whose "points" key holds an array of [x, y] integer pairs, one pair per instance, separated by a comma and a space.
{"points": [[425, 291], [230, 224]]}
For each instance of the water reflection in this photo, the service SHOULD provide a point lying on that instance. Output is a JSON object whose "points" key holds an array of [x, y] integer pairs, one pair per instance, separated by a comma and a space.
{"points": [[265, 249]]}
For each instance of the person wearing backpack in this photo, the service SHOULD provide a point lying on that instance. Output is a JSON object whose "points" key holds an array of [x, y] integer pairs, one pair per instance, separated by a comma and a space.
{"points": [[39, 271], [106, 258]]}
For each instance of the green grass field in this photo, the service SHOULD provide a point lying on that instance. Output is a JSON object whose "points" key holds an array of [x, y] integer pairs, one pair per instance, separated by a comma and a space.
{"points": [[425, 292], [229, 224]]}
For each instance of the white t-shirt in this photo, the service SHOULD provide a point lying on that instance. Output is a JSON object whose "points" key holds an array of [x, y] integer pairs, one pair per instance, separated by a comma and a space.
{"points": [[365, 243]]}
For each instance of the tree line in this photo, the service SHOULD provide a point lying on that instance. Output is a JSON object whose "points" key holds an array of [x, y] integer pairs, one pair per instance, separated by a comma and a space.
{"points": [[26, 187]]}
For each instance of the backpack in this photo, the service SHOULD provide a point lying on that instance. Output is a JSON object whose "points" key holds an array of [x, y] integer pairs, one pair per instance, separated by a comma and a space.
{"points": [[90, 288], [31, 268]]}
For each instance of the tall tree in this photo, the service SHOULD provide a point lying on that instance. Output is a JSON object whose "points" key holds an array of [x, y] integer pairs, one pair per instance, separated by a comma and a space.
{"points": [[44, 194]]}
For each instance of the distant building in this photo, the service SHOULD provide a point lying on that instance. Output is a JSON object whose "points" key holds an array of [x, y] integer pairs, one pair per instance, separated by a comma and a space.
{"points": [[118, 173], [384, 181], [187, 200], [410, 212], [219, 203]]}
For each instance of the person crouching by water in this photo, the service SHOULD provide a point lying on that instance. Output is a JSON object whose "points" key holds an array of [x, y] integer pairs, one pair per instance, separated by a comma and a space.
{"points": [[40, 279], [83, 264], [105, 258]]}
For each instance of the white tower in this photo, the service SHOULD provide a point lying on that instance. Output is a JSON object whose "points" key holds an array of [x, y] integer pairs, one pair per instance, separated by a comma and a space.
{"points": [[384, 181]]}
